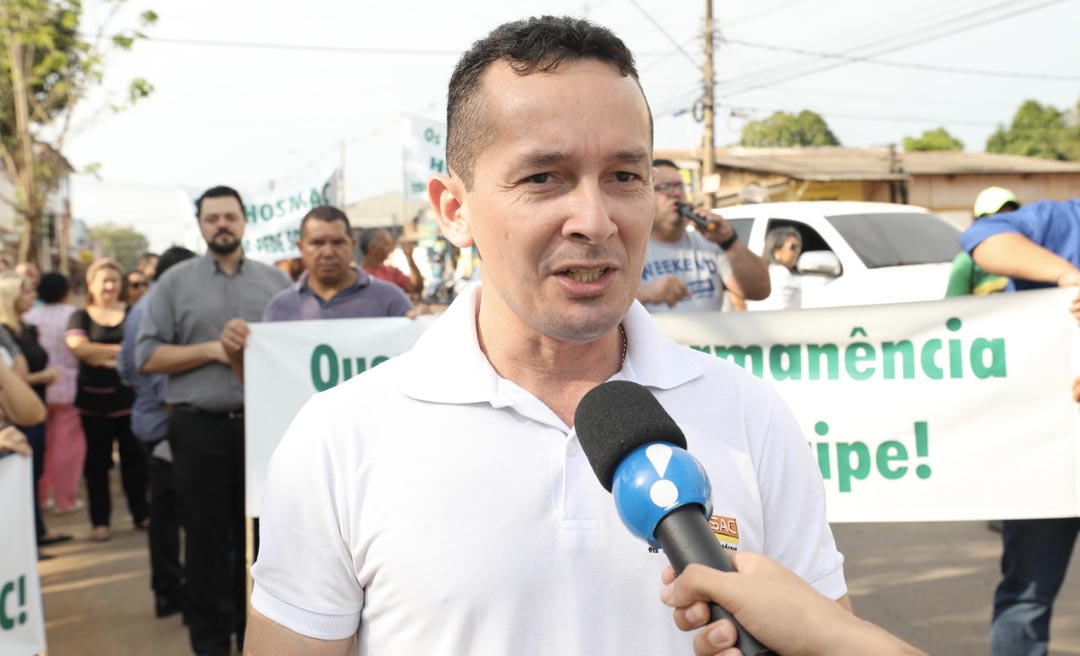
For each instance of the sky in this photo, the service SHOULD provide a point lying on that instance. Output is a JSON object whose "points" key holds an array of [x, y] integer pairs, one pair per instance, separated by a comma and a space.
{"points": [[257, 92]]}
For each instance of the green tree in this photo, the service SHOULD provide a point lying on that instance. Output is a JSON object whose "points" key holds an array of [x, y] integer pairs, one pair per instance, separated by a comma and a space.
{"points": [[785, 130], [936, 139], [47, 66], [1037, 131], [122, 243]]}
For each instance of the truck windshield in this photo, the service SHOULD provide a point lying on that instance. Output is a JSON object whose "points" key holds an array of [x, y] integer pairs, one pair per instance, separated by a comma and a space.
{"points": [[897, 239]]}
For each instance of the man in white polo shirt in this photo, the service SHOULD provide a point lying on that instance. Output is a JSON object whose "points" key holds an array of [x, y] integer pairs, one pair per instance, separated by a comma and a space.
{"points": [[440, 503]]}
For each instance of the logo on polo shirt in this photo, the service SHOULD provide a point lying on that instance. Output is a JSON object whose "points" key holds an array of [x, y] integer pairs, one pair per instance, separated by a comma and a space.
{"points": [[726, 530]]}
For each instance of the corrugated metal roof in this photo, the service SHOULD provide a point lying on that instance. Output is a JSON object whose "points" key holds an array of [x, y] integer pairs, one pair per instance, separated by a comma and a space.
{"points": [[838, 163]]}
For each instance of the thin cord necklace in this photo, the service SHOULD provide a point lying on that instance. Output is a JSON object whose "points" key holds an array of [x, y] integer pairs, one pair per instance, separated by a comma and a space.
{"points": [[622, 358]]}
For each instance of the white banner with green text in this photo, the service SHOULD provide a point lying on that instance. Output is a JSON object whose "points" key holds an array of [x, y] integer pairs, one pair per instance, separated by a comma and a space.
{"points": [[948, 410], [22, 620], [272, 218]]}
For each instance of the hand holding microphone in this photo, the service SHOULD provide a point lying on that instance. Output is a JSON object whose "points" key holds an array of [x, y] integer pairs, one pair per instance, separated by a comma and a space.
{"points": [[686, 211], [715, 228], [661, 492]]}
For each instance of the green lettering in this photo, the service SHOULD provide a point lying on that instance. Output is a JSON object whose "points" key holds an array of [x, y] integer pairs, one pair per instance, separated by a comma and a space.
{"points": [[832, 360], [887, 453], [740, 354], [845, 469], [855, 355], [929, 361], [996, 348], [793, 370], [324, 353], [906, 350]]}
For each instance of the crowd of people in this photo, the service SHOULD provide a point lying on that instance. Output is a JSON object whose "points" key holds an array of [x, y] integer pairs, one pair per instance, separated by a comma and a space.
{"points": [[149, 366], [566, 206]]}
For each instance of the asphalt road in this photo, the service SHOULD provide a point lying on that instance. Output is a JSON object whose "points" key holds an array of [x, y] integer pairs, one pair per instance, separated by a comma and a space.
{"points": [[930, 583]]}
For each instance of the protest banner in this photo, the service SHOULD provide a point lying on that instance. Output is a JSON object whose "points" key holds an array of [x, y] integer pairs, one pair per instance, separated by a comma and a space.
{"points": [[947, 410], [423, 154], [22, 618], [272, 217], [286, 362]]}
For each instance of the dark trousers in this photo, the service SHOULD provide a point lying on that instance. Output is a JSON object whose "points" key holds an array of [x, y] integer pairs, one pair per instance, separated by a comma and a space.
{"points": [[208, 460], [1034, 560], [166, 573], [35, 436], [100, 433]]}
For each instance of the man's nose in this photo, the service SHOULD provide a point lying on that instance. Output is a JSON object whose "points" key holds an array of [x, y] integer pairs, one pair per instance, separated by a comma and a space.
{"points": [[589, 217]]}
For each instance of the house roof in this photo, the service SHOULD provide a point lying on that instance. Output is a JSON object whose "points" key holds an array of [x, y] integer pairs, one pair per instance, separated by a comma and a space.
{"points": [[834, 163], [383, 210]]}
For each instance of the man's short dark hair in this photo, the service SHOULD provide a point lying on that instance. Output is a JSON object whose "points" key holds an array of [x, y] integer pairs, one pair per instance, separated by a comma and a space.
{"points": [[657, 163], [326, 214], [220, 191], [367, 237], [529, 46], [53, 287], [172, 255]]}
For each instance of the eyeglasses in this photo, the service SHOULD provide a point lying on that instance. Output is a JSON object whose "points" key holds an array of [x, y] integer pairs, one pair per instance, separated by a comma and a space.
{"points": [[668, 187]]}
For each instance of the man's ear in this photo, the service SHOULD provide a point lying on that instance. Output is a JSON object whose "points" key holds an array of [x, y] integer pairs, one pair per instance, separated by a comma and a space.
{"points": [[447, 194]]}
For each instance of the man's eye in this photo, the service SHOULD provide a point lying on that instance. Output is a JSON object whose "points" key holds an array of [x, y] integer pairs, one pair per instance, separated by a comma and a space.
{"points": [[625, 176], [539, 178]]}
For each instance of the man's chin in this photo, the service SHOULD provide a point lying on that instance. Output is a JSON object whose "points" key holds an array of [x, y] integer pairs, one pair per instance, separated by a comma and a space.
{"points": [[223, 249]]}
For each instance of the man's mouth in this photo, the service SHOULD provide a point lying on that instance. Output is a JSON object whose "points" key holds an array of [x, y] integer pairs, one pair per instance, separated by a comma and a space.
{"points": [[584, 275]]}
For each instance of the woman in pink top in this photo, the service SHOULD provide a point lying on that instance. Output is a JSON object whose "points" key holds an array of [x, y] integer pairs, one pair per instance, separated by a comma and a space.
{"points": [[65, 444]]}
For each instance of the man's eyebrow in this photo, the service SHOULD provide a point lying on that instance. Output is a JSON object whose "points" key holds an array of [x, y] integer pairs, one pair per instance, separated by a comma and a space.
{"points": [[542, 158], [632, 156], [545, 158]]}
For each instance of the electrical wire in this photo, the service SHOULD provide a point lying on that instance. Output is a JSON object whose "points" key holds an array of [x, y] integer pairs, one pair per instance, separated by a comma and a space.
{"points": [[857, 59]]}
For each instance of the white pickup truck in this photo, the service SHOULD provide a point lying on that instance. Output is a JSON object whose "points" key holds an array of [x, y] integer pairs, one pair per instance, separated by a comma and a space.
{"points": [[857, 253]]}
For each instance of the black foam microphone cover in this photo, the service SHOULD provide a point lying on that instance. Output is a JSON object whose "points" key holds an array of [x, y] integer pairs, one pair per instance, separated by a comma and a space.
{"points": [[615, 418]]}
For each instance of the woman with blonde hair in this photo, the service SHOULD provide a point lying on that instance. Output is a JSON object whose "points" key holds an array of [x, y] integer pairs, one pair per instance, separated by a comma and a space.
{"points": [[30, 362], [94, 336]]}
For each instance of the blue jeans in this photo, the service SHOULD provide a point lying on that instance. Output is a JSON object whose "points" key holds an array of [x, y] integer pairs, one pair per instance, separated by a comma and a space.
{"points": [[1034, 559]]}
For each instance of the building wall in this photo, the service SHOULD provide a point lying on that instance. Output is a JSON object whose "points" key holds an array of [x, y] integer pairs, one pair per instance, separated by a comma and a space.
{"points": [[951, 196]]}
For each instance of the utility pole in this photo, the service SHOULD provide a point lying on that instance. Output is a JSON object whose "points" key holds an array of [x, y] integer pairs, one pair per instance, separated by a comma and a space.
{"points": [[341, 176], [708, 162]]}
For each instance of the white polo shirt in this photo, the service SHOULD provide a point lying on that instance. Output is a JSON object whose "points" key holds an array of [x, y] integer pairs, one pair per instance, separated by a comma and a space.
{"points": [[440, 509]]}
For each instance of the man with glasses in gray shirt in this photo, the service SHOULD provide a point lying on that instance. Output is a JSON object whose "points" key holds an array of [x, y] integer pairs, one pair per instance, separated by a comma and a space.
{"points": [[179, 336]]}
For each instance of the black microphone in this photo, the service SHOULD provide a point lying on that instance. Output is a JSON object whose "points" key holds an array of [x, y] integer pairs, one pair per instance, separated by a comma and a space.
{"points": [[661, 492], [686, 211]]}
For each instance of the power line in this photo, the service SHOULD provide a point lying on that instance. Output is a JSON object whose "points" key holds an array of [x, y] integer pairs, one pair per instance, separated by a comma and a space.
{"points": [[301, 47], [857, 59], [866, 117], [875, 36], [661, 29], [902, 46]]}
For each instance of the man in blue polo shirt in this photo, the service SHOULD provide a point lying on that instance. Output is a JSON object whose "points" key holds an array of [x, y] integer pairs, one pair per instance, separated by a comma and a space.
{"points": [[331, 287], [1036, 246]]}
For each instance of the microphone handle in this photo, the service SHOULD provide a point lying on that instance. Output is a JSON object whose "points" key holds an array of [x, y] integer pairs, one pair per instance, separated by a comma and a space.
{"points": [[688, 212], [686, 539]]}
